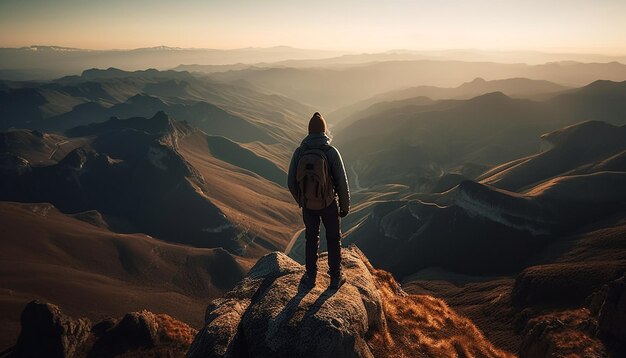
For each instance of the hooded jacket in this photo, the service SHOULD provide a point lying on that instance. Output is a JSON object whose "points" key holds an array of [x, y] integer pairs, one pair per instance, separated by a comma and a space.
{"points": [[337, 170]]}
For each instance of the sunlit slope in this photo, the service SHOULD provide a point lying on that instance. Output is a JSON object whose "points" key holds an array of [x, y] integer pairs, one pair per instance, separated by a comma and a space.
{"points": [[248, 189], [578, 149], [164, 178]]}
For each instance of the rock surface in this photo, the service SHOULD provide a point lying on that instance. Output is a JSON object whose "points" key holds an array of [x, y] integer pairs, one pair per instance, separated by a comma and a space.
{"points": [[613, 313], [271, 313], [569, 333]]}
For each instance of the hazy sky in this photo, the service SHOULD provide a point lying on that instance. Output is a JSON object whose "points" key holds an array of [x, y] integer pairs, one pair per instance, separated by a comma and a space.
{"points": [[574, 25]]}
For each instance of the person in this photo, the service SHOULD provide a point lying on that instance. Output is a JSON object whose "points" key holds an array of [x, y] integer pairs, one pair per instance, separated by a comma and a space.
{"points": [[317, 181]]}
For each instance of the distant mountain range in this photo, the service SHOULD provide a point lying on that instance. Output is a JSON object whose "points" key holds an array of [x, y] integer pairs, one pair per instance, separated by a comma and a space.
{"points": [[47, 62], [332, 88], [420, 142], [237, 111], [512, 87]]}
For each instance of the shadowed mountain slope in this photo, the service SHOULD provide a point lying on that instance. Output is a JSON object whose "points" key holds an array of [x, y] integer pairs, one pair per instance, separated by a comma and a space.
{"points": [[207, 117], [570, 188]]}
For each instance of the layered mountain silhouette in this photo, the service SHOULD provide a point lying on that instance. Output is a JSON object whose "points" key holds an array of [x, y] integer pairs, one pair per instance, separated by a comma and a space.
{"points": [[331, 88], [418, 142], [238, 112], [512, 87], [47, 62]]}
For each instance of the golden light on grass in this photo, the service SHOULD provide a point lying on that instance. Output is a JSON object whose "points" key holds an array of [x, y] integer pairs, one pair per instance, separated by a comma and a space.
{"points": [[424, 326]]}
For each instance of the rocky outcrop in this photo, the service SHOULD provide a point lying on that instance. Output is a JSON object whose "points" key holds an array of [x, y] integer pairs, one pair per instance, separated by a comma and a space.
{"points": [[613, 312], [272, 313], [596, 330], [47, 332]]}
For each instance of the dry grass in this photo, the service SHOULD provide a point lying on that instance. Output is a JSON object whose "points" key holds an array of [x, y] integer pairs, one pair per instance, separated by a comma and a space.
{"points": [[424, 326], [173, 330], [564, 334]]}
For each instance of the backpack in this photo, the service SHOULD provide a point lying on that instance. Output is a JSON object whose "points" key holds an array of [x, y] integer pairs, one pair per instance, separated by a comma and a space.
{"points": [[314, 179]]}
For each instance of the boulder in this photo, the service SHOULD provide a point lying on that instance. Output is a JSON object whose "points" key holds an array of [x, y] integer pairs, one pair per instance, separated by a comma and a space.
{"points": [[47, 332]]}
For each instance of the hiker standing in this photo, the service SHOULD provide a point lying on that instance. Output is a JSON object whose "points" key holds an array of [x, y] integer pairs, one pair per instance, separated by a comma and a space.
{"points": [[317, 179]]}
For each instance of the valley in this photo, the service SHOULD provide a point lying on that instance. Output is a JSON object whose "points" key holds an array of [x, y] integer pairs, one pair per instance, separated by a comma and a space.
{"points": [[498, 188]]}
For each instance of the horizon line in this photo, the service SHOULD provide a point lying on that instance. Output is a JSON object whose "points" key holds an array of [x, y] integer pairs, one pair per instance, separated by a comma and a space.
{"points": [[554, 51]]}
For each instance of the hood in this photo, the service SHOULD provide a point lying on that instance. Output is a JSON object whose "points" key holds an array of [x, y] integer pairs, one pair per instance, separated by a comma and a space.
{"points": [[314, 140]]}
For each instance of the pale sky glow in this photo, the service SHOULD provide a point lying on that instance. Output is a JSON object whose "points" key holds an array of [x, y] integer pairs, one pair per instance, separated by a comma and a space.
{"points": [[572, 25]]}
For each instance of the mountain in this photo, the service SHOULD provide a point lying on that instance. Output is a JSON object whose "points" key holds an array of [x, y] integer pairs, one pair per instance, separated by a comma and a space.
{"points": [[207, 117], [416, 144], [579, 149], [90, 271], [512, 87], [47, 62], [142, 173], [331, 88], [235, 111]]}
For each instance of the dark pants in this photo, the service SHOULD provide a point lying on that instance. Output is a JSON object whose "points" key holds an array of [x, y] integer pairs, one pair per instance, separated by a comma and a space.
{"points": [[330, 217]]}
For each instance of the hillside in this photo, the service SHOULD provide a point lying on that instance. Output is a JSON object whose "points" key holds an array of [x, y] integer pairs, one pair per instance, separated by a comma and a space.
{"points": [[78, 263], [527, 202], [141, 173]]}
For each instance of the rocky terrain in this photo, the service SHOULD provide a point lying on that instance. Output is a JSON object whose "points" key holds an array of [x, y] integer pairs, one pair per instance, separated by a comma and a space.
{"points": [[271, 313]]}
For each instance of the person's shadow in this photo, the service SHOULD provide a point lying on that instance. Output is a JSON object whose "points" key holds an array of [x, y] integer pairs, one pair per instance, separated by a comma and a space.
{"points": [[303, 290]]}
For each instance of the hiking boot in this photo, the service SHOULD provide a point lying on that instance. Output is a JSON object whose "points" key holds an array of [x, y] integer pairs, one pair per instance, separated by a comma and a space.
{"points": [[308, 280], [336, 280]]}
